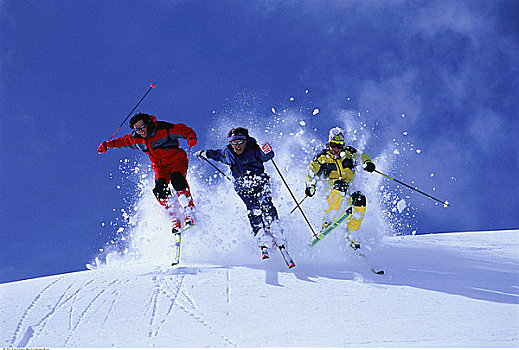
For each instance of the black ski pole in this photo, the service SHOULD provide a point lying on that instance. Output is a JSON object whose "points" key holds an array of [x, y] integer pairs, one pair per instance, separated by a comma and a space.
{"points": [[294, 197], [298, 204], [214, 166], [445, 204], [152, 86]]}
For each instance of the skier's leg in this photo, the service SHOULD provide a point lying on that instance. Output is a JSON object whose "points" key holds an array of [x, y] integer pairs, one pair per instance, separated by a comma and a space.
{"points": [[335, 200], [163, 195], [253, 212], [255, 216], [270, 217], [185, 199], [264, 195], [358, 205], [276, 232], [161, 191]]}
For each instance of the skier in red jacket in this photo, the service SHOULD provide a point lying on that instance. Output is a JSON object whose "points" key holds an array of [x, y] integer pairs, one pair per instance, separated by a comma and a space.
{"points": [[159, 140]]}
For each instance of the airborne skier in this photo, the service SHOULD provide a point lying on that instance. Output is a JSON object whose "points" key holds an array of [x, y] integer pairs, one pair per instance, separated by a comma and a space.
{"points": [[336, 166], [252, 185], [159, 140]]}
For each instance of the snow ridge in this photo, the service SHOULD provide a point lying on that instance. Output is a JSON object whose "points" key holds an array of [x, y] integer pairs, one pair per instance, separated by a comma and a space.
{"points": [[431, 282]]}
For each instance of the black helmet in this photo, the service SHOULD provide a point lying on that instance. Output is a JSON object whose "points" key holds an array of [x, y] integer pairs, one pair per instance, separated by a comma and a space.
{"points": [[238, 131]]}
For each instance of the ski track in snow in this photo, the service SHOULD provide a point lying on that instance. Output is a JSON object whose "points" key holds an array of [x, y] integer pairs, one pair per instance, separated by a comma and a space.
{"points": [[228, 292], [116, 295], [40, 326], [85, 312], [29, 332], [172, 289], [152, 305], [68, 297]]}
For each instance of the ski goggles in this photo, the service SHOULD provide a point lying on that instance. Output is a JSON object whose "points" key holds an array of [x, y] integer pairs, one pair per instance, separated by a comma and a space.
{"points": [[237, 143], [336, 145], [140, 129], [237, 138]]}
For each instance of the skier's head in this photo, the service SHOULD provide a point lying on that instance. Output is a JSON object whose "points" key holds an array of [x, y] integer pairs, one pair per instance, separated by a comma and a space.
{"points": [[141, 123], [336, 141], [238, 139]]}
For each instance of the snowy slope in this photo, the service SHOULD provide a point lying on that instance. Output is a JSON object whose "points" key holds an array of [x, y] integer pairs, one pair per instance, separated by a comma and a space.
{"points": [[439, 290]]}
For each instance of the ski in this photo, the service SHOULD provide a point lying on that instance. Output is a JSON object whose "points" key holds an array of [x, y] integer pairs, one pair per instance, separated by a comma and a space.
{"points": [[177, 243], [345, 216], [284, 253], [355, 247], [178, 240]]}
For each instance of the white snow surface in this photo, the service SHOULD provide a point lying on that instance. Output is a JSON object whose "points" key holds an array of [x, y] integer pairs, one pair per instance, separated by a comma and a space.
{"points": [[441, 290]]}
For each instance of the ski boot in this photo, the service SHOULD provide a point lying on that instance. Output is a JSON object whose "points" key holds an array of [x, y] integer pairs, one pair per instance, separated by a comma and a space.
{"points": [[188, 222], [186, 201], [325, 225], [354, 244], [264, 253]]}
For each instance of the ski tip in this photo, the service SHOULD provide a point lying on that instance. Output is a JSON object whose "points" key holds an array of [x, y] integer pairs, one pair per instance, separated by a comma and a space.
{"points": [[153, 85], [380, 272], [187, 227]]}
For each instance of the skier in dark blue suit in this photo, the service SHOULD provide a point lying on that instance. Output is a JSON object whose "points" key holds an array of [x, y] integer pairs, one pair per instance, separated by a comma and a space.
{"points": [[251, 183]]}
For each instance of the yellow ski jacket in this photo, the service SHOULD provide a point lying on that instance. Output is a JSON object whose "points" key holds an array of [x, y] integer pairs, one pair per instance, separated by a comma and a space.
{"points": [[333, 168]]}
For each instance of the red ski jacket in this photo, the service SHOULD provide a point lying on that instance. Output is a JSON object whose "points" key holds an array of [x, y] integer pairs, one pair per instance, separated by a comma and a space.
{"points": [[161, 144]]}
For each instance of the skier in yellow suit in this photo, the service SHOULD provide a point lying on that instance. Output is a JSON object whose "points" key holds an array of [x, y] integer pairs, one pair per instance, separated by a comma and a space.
{"points": [[336, 165]]}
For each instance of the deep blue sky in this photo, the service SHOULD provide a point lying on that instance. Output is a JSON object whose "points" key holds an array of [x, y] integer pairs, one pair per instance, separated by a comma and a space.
{"points": [[70, 71]]}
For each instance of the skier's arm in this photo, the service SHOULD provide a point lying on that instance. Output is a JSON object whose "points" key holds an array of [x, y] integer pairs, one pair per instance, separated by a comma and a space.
{"points": [[125, 141], [311, 177], [183, 131], [311, 172], [367, 164], [219, 155]]}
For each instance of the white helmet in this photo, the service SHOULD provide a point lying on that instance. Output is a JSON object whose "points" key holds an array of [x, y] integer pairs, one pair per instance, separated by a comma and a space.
{"points": [[336, 135]]}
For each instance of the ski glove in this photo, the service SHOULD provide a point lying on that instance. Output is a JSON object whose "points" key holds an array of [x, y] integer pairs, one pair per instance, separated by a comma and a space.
{"points": [[105, 145], [200, 154], [310, 191], [191, 140], [266, 148], [369, 167], [102, 147]]}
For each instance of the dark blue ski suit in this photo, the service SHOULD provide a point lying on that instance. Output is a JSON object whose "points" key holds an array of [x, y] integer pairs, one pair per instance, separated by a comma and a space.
{"points": [[251, 183]]}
